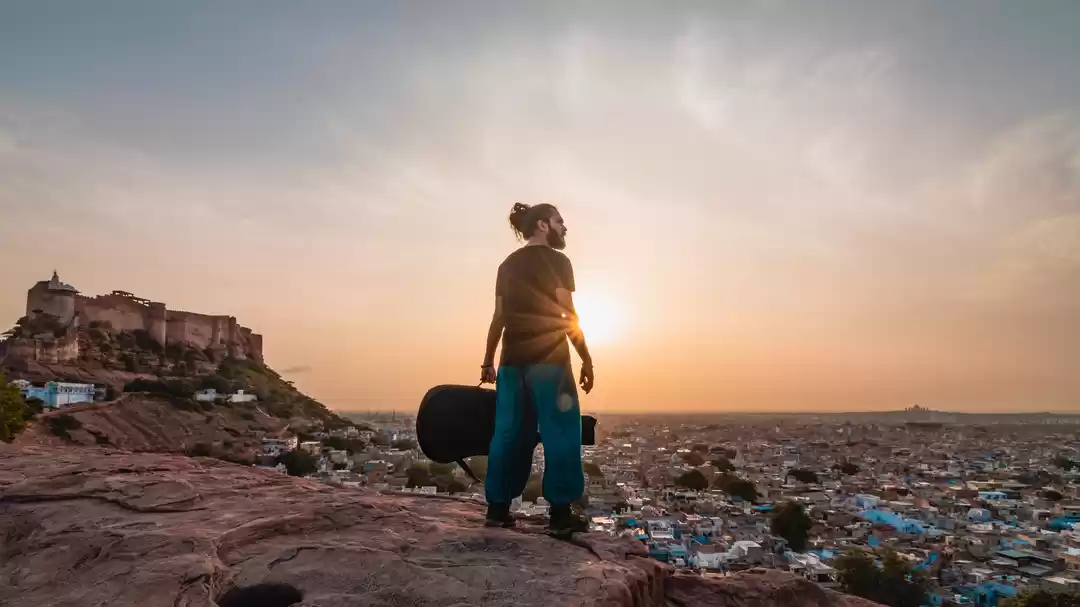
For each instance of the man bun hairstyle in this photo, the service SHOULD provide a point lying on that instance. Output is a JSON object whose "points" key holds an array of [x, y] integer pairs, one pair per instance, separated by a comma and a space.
{"points": [[523, 218]]}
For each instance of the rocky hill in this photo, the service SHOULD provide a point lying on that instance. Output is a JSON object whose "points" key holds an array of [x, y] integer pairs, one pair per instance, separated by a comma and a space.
{"points": [[149, 422], [153, 388], [95, 526]]}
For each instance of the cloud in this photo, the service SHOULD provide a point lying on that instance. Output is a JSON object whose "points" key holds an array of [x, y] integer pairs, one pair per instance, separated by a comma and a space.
{"points": [[297, 370], [1031, 172]]}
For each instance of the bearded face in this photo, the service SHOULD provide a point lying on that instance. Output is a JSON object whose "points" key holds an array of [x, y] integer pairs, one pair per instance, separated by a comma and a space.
{"points": [[556, 233]]}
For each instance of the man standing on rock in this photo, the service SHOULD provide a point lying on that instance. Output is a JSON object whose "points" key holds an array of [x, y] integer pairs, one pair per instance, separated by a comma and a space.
{"points": [[534, 384]]}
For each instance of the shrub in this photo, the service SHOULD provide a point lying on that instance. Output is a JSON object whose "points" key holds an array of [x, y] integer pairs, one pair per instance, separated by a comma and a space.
{"points": [[790, 522], [298, 463], [693, 480], [723, 464], [60, 425], [13, 411], [199, 450], [34, 406]]}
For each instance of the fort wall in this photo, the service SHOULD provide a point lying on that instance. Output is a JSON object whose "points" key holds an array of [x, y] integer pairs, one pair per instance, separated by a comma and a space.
{"points": [[198, 330], [121, 312], [47, 350], [126, 312]]}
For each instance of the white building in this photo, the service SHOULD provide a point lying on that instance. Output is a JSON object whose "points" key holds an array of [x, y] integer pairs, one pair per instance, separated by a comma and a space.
{"points": [[277, 446], [56, 394], [208, 395], [242, 397]]}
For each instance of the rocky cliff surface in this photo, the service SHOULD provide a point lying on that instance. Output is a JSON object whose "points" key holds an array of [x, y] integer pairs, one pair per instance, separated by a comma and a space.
{"points": [[93, 526], [147, 422]]}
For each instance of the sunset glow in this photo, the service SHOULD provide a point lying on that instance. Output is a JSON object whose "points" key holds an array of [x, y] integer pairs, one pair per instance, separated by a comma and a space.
{"points": [[770, 206], [602, 319]]}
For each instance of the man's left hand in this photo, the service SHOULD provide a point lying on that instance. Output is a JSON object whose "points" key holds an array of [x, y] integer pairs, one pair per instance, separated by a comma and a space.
{"points": [[586, 378]]}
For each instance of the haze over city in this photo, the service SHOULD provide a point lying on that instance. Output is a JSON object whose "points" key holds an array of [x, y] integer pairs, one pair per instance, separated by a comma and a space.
{"points": [[771, 207]]}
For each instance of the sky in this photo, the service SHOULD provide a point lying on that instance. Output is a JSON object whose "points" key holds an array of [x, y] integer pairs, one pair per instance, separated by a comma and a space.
{"points": [[776, 205]]}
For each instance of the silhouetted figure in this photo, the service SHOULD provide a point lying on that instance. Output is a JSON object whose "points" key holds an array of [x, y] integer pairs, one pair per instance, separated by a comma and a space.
{"points": [[534, 384]]}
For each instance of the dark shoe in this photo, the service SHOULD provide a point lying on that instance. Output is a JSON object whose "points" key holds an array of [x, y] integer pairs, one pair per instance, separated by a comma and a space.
{"points": [[498, 515], [566, 521]]}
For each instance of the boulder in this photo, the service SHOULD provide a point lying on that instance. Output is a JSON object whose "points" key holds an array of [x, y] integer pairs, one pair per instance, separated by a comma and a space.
{"points": [[86, 526]]}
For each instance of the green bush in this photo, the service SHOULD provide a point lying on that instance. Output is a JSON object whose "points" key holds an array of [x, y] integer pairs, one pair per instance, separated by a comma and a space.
{"points": [[143, 341], [723, 464], [894, 582], [216, 382], [60, 425], [693, 479], [404, 444], [199, 450], [790, 522], [298, 462], [34, 406], [13, 411], [1044, 598]]}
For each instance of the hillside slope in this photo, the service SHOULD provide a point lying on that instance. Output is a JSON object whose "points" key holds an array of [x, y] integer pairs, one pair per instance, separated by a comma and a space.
{"points": [[91, 526], [148, 422], [164, 417]]}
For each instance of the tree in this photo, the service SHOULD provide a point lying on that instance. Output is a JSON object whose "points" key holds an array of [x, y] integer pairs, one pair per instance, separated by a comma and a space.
{"points": [[693, 479], [1065, 463], [418, 476], [336, 442], [34, 406], [804, 476], [1044, 598], [199, 450], [591, 469], [216, 382], [858, 574], [895, 583], [437, 469], [694, 458], [12, 410], [59, 425], [847, 468], [735, 486], [791, 522], [405, 444], [1052, 495], [723, 464], [299, 462]]}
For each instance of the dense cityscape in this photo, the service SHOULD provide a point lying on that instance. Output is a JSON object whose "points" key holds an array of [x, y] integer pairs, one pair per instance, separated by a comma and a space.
{"points": [[978, 507]]}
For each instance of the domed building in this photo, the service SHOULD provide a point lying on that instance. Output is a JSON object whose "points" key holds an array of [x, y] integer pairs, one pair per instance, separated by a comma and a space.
{"points": [[52, 297]]}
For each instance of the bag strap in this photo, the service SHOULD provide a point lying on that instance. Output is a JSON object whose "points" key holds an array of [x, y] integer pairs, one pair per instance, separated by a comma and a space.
{"points": [[465, 466], [528, 403]]}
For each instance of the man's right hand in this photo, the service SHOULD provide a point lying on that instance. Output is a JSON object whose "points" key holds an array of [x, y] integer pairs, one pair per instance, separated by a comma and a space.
{"points": [[488, 375]]}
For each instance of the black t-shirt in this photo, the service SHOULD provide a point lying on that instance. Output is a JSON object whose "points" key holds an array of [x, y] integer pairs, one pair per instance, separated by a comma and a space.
{"points": [[535, 322]]}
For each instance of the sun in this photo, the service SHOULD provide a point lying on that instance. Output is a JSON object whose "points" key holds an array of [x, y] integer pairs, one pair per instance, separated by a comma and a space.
{"points": [[601, 319]]}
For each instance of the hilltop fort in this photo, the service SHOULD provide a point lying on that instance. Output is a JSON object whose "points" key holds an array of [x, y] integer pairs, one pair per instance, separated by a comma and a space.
{"points": [[67, 311]]}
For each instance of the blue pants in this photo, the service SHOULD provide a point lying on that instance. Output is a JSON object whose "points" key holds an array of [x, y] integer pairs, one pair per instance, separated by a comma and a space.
{"points": [[545, 397]]}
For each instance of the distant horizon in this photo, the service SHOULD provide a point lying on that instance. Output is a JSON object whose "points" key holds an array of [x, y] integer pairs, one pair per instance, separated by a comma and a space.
{"points": [[770, 205], [720, 412]]}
